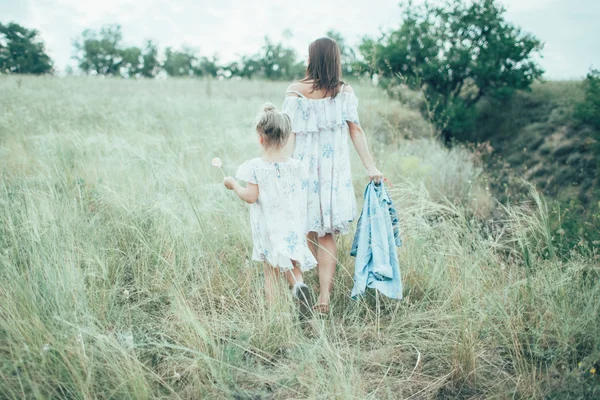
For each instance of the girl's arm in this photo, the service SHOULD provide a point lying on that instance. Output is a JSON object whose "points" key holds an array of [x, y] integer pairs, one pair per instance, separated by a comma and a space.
{"points": [[249, 193]]}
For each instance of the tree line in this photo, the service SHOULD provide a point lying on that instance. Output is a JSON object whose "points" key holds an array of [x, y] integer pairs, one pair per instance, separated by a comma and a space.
{"points": [[456, 54], [102, 52]]}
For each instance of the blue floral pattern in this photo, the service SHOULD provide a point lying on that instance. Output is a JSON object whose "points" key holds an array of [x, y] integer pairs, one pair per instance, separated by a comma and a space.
{"points": [[278, 219], [316, 186], [292, 241], [322, 145], [327, 151], [304, 110]]}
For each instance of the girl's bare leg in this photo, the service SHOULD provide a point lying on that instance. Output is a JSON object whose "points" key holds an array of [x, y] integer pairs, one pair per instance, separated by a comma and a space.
{"points": [[326, 259], [295, 275], [271, 276]]}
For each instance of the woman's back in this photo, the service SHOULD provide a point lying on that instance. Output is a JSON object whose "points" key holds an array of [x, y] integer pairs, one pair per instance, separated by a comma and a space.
{"points": [[307, 90]]}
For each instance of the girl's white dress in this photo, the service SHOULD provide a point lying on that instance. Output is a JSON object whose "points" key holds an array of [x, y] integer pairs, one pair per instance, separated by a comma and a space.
{"points": [[278, 217], [322, 146]]}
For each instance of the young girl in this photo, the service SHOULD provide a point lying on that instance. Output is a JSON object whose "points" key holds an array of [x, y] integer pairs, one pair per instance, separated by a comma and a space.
{"points": [[277, 193], [323, 111]]}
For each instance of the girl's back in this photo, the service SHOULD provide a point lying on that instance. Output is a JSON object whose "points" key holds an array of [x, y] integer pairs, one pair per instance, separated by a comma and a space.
{"points": [[282, 185]]}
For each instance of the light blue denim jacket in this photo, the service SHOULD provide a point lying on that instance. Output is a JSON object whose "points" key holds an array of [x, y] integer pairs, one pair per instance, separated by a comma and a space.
{"points": [[374, 246]]}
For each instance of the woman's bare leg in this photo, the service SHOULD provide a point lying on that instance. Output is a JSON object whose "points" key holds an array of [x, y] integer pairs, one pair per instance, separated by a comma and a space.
{"points": [[326, 259]]}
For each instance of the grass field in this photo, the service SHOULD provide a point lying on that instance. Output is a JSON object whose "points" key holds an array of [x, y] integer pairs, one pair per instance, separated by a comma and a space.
{"points": [[124, 268]]}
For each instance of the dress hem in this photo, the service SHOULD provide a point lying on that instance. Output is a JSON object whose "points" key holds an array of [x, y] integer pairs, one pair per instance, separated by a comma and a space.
{"points": [[304, 266], [339, 230]]}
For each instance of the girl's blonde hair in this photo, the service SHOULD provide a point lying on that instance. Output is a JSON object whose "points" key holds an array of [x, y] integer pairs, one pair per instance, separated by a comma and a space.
{"points": [[274, 126]]}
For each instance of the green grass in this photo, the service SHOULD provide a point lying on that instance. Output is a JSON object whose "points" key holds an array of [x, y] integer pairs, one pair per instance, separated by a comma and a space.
{"points": [[124, 266]]}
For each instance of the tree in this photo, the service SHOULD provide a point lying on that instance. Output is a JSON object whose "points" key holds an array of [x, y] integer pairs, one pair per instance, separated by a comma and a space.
{"points": [[22, 51], [233, 69], [347, 52], [277, 61], [100, 53], [131, 63], [150, 64], [207, 66], [179, 63], [250, 65], [456, 54]]}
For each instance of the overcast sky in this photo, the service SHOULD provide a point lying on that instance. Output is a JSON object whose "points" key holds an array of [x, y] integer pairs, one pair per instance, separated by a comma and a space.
{"points": [[570, 29]]}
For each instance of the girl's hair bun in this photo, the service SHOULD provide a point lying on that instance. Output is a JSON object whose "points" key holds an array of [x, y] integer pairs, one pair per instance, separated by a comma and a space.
{"points": [[274, 127], [268, 107]]}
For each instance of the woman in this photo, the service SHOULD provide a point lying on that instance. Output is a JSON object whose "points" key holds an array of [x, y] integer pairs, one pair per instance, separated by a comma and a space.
{"points": [[323, 111]]}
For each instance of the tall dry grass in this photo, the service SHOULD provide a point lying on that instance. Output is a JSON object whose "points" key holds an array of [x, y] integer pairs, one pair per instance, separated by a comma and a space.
{"points": [[124, 266]]}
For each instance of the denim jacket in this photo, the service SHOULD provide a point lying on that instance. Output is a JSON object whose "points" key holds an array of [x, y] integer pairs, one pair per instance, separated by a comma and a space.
{"points": [[374, 246]]}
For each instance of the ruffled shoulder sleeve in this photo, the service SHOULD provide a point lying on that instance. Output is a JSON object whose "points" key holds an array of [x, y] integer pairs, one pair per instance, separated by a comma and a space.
{"points": [[247, 172], [352, 108], [292, 107], [314, 115]]}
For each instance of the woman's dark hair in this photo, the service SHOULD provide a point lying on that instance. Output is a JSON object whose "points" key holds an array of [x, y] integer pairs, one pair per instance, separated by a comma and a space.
{"points": [[274, 126], [324, 66]]}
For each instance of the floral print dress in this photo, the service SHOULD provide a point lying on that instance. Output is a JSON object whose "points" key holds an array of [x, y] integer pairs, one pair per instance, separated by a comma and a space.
{"points": [[321, 130], [278, 217]]}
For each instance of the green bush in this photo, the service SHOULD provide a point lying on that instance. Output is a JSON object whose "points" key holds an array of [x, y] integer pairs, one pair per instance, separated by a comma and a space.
{"points": [[588, 111]]}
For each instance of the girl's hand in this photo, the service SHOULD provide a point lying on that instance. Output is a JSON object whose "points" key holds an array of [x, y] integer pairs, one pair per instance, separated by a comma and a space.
{"points": [[375, 175], [229, 182]]}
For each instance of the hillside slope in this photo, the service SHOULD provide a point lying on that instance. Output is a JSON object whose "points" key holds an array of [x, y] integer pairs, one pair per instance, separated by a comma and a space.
{"points": [[537, 134]]}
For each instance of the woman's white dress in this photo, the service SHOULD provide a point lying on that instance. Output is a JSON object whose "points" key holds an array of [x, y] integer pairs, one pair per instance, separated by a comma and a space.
{"points": [[322, 146], [278, 217]]}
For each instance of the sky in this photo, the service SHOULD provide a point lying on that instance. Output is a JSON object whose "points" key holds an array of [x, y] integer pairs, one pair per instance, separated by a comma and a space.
{"points": [[231, 28]]}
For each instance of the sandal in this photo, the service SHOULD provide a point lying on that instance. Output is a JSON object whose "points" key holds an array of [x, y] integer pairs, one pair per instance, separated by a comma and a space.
{"points": [[321, 308]]}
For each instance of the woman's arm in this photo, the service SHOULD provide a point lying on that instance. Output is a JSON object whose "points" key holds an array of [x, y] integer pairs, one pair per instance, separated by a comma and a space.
{"points": [[359, 139], [249, 193]]}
